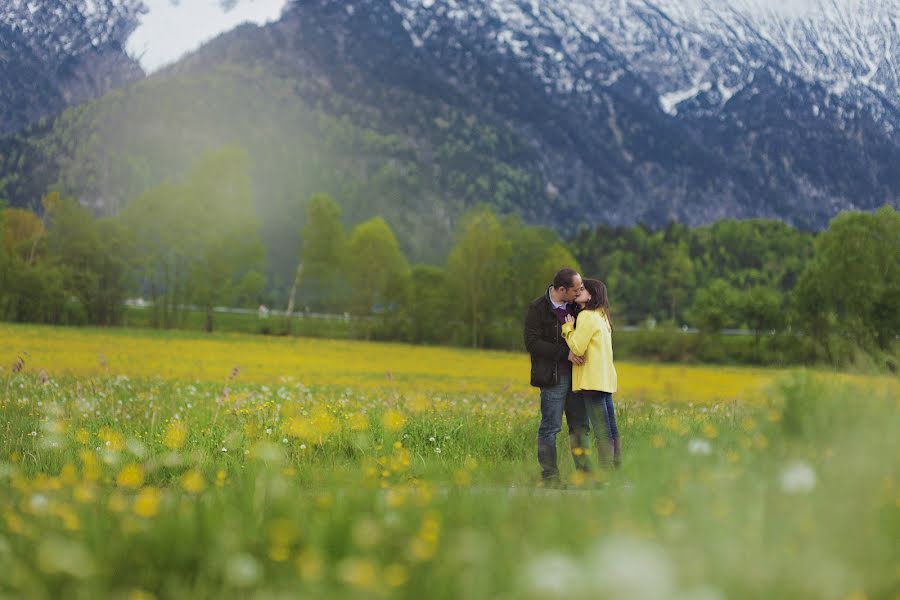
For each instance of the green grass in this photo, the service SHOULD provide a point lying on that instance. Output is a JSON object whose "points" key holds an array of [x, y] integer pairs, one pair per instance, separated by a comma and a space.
{"points": [[348, 496]]}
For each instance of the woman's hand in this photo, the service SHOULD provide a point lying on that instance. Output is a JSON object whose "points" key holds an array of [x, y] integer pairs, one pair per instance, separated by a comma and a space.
{"points": [[570, 319]]}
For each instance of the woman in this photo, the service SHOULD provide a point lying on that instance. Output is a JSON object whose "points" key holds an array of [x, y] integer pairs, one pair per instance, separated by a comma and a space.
{"points": [[590, 336]]}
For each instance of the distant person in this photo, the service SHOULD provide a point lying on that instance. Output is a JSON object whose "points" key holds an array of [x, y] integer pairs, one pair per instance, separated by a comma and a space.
{"points": [[551, 371], [263, 311], [589, 335]]}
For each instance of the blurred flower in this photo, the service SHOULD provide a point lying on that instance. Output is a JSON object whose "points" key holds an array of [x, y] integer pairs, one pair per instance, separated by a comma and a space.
{"points": [[111, 440], [57, 555], [309, 565], [798, 477], [146, 504], [38, 503], [242, 570], [359, 573], [699, 447], [552, 575], [192, 482], [366, 533], [393, 420], [131, 476], [175, 435], [629, 568], [358, 422], [664, 506], [396, 575]]}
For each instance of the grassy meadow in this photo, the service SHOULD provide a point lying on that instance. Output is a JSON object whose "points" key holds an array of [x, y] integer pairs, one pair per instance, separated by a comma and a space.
{"points": [[146, 464]]}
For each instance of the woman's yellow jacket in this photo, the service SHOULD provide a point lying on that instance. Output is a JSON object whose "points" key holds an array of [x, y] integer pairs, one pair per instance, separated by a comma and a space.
{"points": [[591, 338]]}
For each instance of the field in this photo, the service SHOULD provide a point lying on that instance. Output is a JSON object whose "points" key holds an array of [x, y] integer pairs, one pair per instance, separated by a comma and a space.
{"points": [[140, 464]]}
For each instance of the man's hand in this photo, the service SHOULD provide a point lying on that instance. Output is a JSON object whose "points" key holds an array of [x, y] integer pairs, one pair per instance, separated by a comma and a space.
{"points": [[574, 359]]}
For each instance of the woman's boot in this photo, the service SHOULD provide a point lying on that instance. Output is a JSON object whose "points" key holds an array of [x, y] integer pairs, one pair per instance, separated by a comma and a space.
{"points": [[616, 452]]}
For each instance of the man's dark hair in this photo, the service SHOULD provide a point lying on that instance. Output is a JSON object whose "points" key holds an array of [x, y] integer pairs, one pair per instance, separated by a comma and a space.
{"points": [[564, 278]]}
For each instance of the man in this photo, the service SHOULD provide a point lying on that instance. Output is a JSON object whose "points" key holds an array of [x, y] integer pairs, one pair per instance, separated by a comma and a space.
{"points": [[551, 371]]}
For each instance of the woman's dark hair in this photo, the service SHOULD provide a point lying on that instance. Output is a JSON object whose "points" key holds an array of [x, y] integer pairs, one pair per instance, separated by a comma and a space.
{"points": [[564, 278], [599, 298]]}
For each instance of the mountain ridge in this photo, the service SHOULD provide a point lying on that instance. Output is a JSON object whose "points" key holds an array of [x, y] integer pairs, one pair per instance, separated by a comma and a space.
{"points": [[535, 109]]}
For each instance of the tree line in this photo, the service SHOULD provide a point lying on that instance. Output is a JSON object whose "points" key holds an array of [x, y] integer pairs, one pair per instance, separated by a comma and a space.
{"points": [[198, 242]]}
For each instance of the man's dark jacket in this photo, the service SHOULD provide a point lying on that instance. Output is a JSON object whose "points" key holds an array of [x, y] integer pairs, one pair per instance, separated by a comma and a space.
{"points": [[544, 341]]}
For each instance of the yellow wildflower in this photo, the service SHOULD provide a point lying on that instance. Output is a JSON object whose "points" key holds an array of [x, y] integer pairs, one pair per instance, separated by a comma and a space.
{"points": [[309, 565], [396, 575], [664, 507], [192, 482], [175, 435], [147, 502], [131, 476], [393, 420], [359, 573]]}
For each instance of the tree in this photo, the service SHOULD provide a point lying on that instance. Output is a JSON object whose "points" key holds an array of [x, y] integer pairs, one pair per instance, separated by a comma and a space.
{"points": [[377, 270], [161, 230], [22, 230], [715, 306], [535, 255], [762, 309], [249, 292], [429, 307], [323, 250], [478, 269], [198, 238], [853, 283], [554, 258], [225, 243], [94, 256], [676, 271]]}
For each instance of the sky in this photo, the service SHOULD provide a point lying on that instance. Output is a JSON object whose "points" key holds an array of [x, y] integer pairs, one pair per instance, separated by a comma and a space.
{"points": [[169, 30]]}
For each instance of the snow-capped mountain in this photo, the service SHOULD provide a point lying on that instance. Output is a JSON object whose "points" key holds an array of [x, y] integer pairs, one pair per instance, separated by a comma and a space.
{"points": [[569, 112], [696, 54], [56, 53], [780, 91]]}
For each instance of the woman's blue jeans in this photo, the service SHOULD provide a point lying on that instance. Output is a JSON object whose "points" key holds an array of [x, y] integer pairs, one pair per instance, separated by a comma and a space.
{"points": [[602, 413]]}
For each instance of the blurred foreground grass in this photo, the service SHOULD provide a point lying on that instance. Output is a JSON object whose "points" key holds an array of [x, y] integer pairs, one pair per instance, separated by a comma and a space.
{"points": [[136, 465]]}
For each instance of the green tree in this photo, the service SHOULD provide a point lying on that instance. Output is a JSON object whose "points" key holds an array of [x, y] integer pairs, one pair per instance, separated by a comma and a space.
{"points": [[249, 291], [554, 258], [715, 306], [377, 270], [853, 283], [225, 243], [430, 306], [196, 239], [676, 272], [478, 270], [762, 309], [323, 253], [94, 256], [535, 255], [162, 232]]}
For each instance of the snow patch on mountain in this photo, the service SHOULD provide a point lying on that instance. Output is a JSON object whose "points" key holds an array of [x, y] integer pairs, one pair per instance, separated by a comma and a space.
{"points": [[686, 48]]}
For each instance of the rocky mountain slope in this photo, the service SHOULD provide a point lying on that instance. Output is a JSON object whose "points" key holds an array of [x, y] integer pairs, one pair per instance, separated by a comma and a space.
{"points": [[566, 112], [59, 53]]}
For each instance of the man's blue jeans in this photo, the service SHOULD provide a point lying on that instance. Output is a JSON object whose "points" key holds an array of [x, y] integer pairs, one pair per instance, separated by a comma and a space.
{"points": [[556, 400]]}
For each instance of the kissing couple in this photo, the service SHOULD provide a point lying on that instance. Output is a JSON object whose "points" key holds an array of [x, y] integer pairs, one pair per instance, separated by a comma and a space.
{"points": [[568, 333]]}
